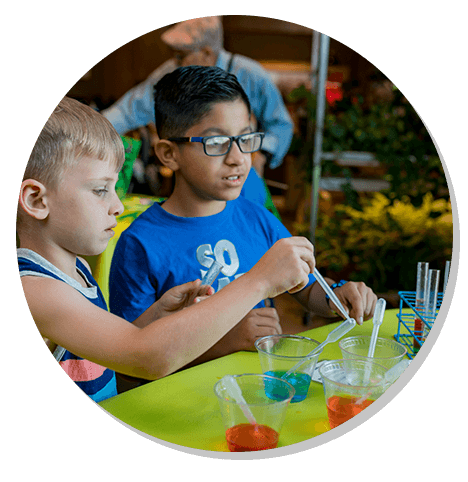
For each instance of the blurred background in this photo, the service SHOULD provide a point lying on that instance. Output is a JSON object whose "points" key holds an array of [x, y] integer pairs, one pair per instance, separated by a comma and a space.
{"points": [[383, 200]]}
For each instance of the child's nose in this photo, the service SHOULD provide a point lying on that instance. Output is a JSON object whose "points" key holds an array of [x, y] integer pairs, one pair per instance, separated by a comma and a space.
{"points": [[235, 155], [117, 208]]}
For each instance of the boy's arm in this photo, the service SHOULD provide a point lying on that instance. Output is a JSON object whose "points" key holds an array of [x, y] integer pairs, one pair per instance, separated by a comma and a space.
{"points": [[357, 298], [259, 322], [64, 316], [274, 119]]}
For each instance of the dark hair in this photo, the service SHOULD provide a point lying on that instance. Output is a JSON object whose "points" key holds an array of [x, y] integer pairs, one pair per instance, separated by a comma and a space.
{"points": [[184, 96]]}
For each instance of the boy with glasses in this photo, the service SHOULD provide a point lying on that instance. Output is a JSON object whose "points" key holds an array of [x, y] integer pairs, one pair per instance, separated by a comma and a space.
{"points": [[203, 120]]}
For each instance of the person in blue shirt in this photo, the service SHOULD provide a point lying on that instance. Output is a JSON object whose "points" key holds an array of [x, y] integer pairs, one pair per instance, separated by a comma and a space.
{"points": [[200, 42], [203, 119]]}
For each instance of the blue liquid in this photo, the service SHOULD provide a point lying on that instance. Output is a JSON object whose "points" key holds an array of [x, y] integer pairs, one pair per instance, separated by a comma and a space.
{"points": [[300, 381]]}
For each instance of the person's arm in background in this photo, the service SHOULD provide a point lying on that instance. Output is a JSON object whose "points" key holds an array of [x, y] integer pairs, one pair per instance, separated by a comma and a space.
{"points": [[136, 108], [274, 119]]}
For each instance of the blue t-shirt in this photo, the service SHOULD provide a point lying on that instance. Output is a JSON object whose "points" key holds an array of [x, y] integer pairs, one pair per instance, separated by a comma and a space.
{"points": [[95, 380], [159, 251]]}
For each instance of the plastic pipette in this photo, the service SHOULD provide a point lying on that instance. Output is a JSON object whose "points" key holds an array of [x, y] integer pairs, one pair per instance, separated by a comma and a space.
{"points": [[394, 373], [333, 336], [329, 291], [377, 321], [209, 277], [390, 377], [212, 273], [234, 391]]}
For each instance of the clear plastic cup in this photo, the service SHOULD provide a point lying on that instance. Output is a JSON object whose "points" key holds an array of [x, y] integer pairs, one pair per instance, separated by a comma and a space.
{"points": [[387, 352], [279, 353], [350, 386], [269, 413]]}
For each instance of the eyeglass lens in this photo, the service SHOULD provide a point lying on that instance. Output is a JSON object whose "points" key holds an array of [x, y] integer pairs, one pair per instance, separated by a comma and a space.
{"points": [[219, 145]]}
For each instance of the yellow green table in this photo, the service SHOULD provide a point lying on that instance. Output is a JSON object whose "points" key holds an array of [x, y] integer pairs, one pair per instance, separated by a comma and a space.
{"points": [[183, 409]]}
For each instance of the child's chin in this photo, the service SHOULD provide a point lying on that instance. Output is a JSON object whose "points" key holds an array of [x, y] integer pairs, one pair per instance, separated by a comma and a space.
{"points": [[232, 196], [96, 250]]}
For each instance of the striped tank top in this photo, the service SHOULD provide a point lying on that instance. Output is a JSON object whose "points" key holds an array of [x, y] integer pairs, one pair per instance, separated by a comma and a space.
{"points": [[95, 380]]}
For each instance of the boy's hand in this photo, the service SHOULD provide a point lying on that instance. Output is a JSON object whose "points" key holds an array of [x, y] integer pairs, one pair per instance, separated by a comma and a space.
{"points": [[257, 323], [357, 298], [182, 296], [286, 266]]}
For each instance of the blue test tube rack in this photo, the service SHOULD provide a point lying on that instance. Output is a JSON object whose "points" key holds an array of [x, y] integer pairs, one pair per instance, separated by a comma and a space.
{"points": [[406, 334]]}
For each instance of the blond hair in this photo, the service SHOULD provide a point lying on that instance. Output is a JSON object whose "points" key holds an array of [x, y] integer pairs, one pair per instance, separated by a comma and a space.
{"points": [[73, 131]]}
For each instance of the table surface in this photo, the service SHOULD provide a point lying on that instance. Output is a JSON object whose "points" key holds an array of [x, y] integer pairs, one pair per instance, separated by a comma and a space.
{"points": [[183, 409]]}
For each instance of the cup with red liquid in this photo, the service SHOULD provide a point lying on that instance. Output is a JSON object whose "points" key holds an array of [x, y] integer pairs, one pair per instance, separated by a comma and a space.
{"points": [[387, 352], [351, 386], [269, 413]]}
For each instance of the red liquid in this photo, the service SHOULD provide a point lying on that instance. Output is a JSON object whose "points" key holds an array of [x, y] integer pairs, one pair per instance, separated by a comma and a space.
{"points": [[246, 437], [341, 409], [418, 331]]}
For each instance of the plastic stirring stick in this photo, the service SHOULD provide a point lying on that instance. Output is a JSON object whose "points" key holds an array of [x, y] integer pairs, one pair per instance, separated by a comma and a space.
{"points": [[376, 321], [333, 336], [235, 392], [329, 291]]}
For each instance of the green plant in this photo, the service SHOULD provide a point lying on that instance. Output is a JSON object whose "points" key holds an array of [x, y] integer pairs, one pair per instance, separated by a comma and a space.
{"points": [[391, 130], [379, 238], [381, 243]]}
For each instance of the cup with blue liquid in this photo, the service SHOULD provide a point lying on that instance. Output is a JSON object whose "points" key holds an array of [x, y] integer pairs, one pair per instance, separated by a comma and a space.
{"points": [[279, 353]]}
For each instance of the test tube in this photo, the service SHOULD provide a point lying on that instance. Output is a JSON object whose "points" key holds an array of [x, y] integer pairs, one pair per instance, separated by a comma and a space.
{"points": [[212, 273], [446, 275], [431, 299], [421, 287]]}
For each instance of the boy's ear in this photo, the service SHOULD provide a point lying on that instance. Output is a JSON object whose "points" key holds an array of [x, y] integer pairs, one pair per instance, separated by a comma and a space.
{"points": [[167, 153], [33, 199]]}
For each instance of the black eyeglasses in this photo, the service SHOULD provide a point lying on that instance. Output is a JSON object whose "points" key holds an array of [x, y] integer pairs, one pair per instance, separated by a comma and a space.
{"points": [[221, 145]]}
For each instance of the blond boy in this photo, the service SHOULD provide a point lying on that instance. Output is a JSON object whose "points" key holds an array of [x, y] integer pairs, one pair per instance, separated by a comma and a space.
{"points": [[68, 207]]}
